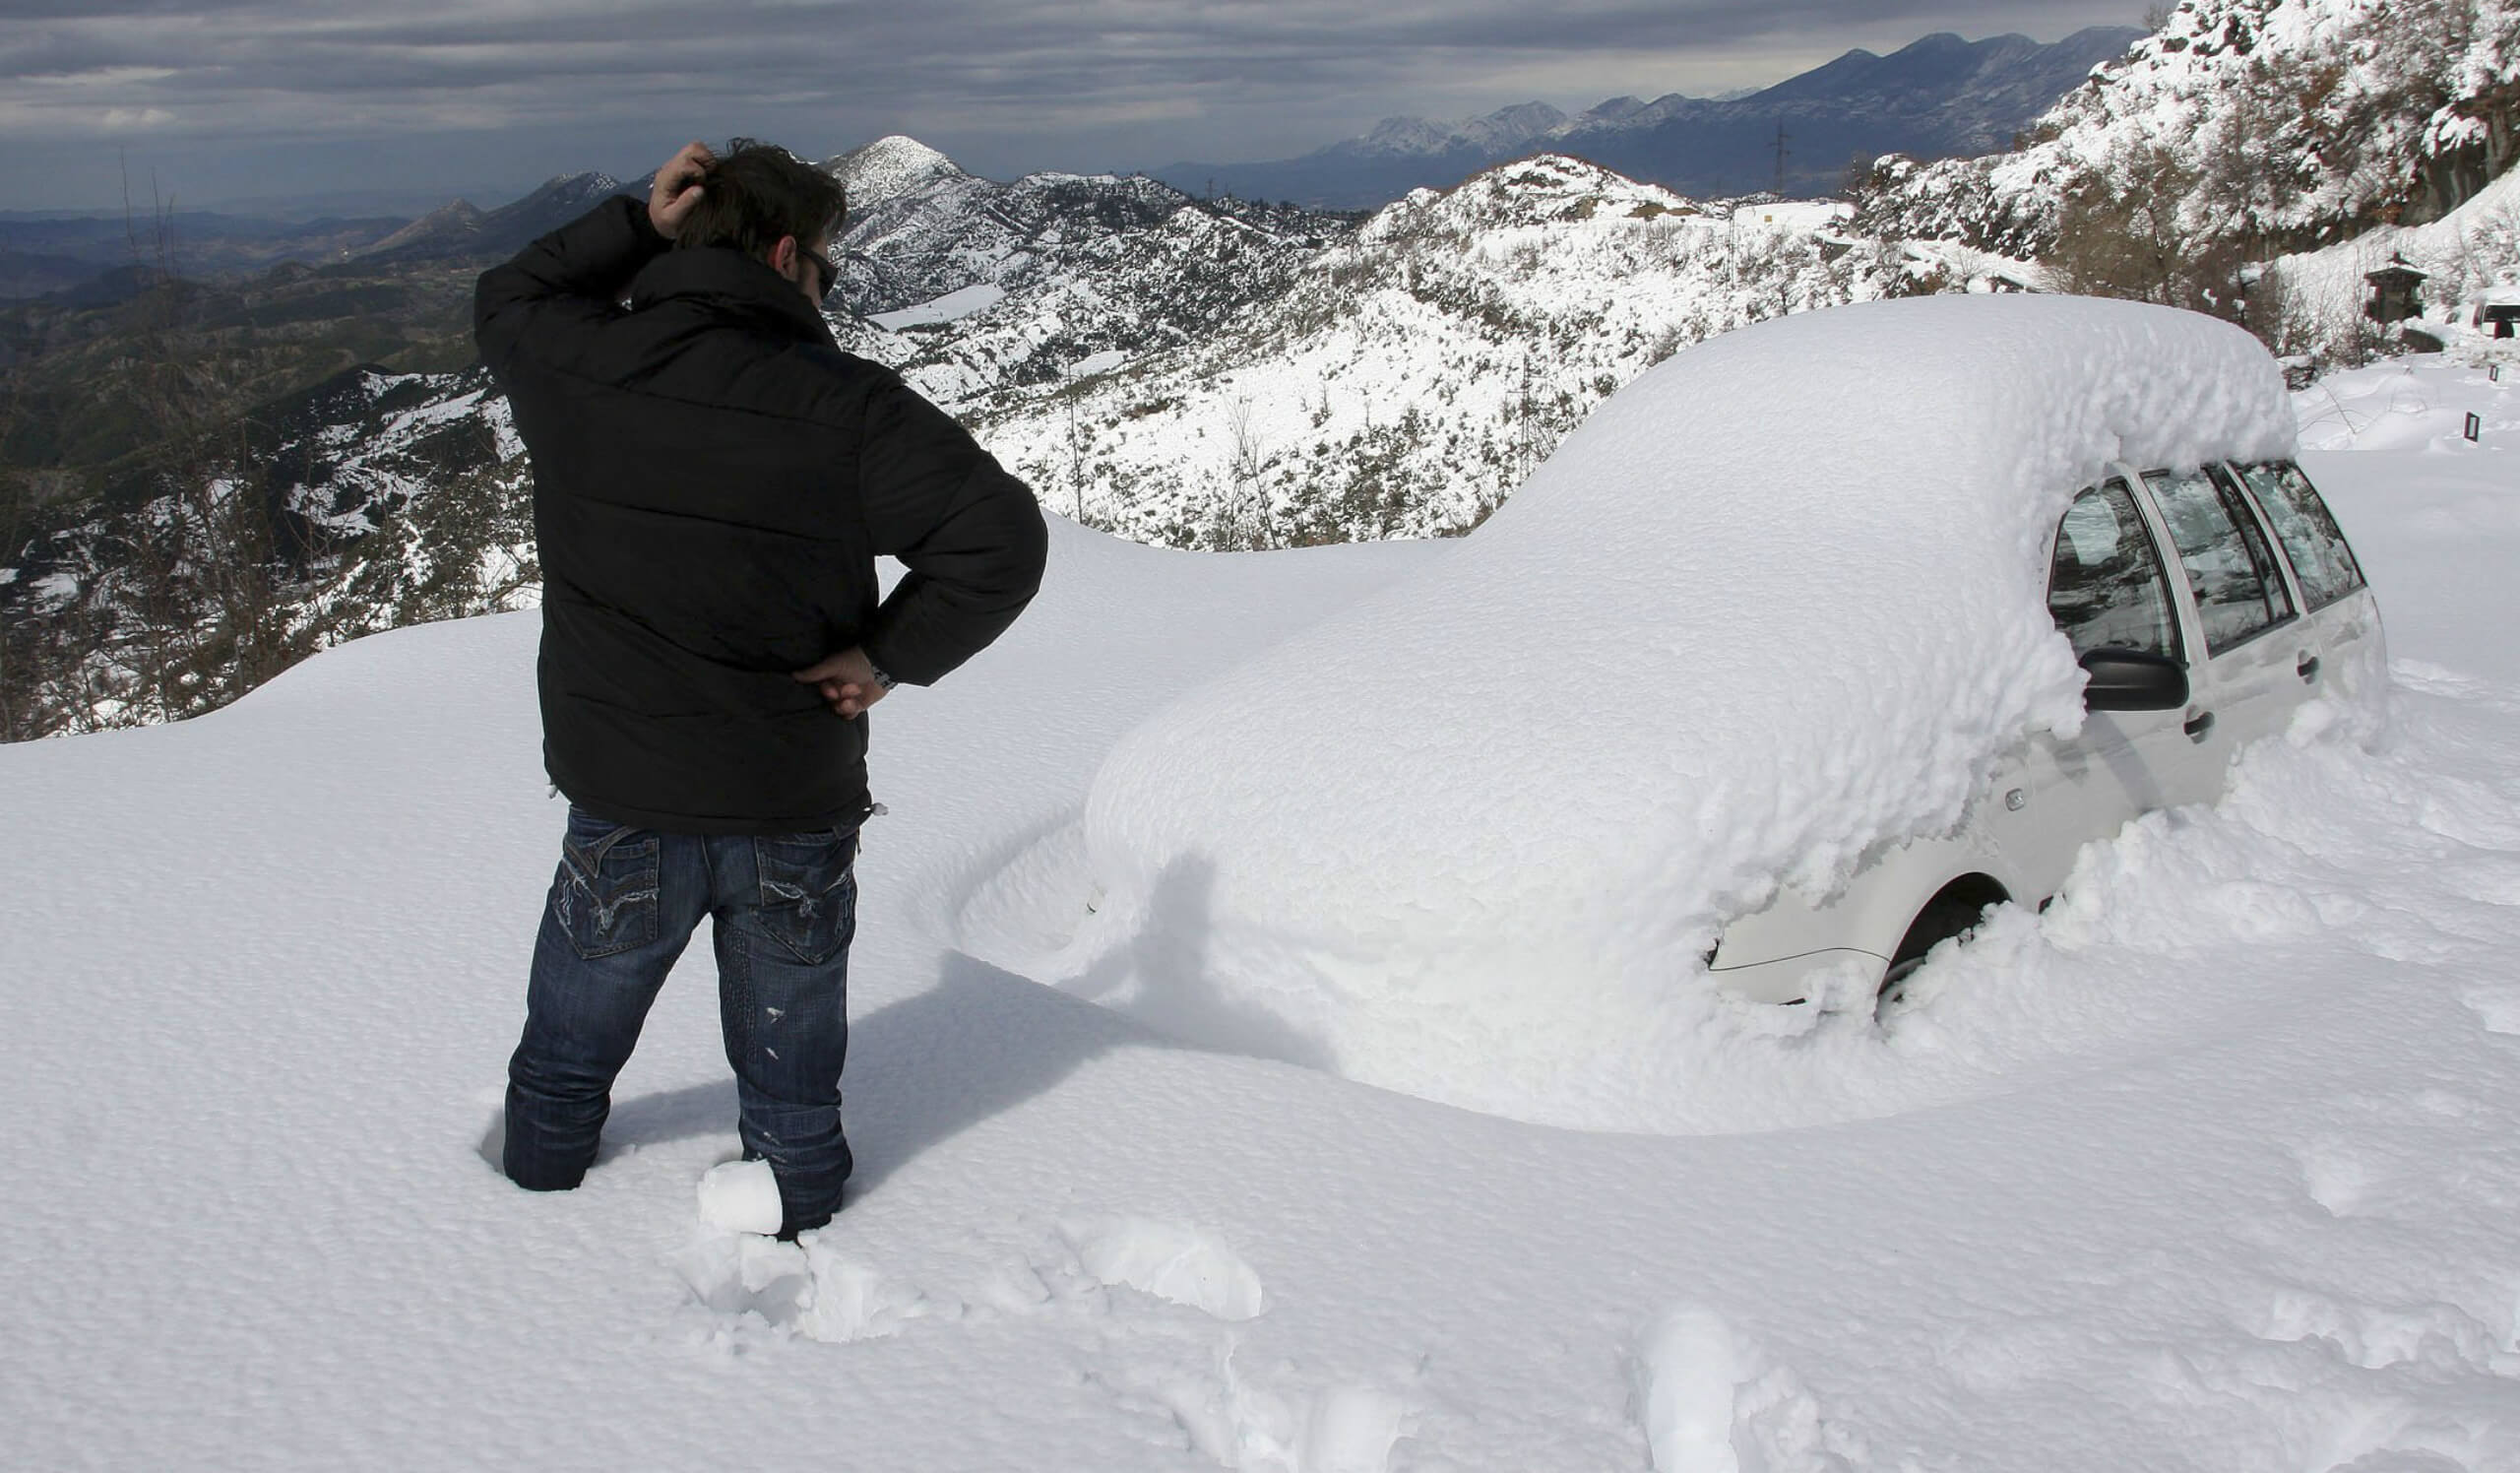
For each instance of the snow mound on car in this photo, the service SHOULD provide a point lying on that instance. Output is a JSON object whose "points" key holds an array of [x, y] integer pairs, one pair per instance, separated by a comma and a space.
{"points": [[1781, 601]]}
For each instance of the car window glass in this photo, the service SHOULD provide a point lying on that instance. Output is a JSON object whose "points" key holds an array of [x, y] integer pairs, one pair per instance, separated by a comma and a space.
{"points": [[2310, 534], [2229, 567], [2106, 587]]}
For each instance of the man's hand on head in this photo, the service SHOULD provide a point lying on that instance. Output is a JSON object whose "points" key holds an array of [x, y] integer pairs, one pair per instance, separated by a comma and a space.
{"points": [[848, 681], [677, 191]]}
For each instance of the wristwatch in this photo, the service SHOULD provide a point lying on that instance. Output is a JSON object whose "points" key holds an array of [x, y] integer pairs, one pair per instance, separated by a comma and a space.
{"points": [[882, 679]]}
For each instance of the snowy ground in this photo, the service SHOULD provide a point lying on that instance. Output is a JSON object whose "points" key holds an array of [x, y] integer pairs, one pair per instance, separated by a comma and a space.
{"points": [[2214, 1166]]}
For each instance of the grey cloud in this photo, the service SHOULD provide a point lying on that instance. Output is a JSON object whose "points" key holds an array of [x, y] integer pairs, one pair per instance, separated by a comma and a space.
{"points": [[1033, 83]]}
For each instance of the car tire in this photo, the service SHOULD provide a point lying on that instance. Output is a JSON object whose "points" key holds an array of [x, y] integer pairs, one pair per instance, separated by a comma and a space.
{"points": [[1953, 913]]}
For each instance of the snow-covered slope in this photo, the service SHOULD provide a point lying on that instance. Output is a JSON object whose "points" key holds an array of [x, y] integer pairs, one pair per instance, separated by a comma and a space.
{"points": [[2472, 252], [2212, 1167], [2262, 124]]}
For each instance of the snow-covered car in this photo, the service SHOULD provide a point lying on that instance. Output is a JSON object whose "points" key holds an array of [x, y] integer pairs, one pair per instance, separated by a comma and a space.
{"points": [[1811, 643], [2184, 669]]}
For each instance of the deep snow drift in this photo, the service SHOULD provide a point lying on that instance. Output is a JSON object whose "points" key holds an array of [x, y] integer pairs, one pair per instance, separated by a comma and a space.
{"points": [[2219, 1173], [1781, 600]]}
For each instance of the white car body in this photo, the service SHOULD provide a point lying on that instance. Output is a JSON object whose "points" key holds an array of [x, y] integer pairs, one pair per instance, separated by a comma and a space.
{"points": [[2045, 800]]}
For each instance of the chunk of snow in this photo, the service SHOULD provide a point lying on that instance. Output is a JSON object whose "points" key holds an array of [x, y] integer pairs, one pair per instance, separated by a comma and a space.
{"points": [[1780, 601]]}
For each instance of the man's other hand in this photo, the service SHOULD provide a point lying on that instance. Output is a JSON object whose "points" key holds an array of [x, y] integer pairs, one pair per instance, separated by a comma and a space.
{"points": [[677, 191], [848, 681]]}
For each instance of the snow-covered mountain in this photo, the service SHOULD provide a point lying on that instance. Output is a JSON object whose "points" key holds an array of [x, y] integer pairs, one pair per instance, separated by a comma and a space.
{"points": [[2248, 127], [1939, 95], [1408, 379], [969, 285]]}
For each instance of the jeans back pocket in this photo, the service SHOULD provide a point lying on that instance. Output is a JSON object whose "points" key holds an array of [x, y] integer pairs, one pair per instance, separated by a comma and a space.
{"points": [[606, 892], [808, 892]]}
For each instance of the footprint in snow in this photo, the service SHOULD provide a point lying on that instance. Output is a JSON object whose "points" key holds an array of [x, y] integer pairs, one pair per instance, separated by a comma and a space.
{"points": [[811, 1288], [1711, 1400], [1161, 1366], [2337, 1176], [1244, 1424], [1170, 1261], [2497, 1007]]}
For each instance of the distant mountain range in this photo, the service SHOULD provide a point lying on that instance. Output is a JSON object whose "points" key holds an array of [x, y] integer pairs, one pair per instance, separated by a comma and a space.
{"points": [[461, 229], [1941, 98]]}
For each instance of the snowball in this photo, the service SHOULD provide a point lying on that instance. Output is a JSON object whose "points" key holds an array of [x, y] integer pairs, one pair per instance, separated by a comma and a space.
{"points": [[741, 1196]]}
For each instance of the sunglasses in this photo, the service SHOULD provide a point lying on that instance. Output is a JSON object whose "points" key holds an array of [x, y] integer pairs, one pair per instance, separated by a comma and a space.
{"points": [[822, 264]]}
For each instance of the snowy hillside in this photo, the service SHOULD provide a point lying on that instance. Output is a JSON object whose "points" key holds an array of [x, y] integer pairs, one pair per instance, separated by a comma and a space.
{"points": [[1408, 380], [2213, 1167], [2261, 125]]}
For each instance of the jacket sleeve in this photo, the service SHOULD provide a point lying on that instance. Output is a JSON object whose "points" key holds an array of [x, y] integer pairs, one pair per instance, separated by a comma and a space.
{"points": [[546, 304], [971, 535]]}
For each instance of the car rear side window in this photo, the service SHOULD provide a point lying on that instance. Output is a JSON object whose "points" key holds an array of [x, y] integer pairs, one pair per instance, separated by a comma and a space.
{"points": [[2106, 586], [2323, 562], [2229, 567]]}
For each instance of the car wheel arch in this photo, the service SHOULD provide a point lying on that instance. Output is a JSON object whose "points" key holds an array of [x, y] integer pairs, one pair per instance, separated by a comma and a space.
{"points": [[1953, 911]]}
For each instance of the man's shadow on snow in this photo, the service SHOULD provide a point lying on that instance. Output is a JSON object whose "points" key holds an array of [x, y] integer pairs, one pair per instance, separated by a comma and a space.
{"points": [[983, 1041]]}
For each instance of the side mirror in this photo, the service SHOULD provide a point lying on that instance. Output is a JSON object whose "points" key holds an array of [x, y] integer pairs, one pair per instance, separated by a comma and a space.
{"points": [[2133, 681]]}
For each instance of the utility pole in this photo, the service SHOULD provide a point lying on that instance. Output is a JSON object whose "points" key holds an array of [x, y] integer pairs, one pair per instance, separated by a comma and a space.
{"points": [[1781, 156]]}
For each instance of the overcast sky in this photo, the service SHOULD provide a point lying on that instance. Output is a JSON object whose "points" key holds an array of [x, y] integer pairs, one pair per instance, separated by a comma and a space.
{"points": [[221, 101]]}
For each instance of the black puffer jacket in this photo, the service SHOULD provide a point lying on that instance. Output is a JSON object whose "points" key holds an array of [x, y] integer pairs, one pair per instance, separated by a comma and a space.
{"points": [[712, 481]]}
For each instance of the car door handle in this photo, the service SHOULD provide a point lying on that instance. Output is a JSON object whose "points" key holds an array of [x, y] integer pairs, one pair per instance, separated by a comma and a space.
{"points": [[2308, 669], [2198, 726]]}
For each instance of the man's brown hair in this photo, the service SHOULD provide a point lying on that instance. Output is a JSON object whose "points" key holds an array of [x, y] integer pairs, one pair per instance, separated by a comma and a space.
{"points": [[758, 192]]}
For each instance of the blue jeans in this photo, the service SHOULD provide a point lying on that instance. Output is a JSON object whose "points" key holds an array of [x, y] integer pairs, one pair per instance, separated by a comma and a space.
{"points": [[623, 905]]}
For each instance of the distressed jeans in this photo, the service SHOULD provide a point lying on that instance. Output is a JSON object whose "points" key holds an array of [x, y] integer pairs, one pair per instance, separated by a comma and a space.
{"points": [[623, 904]]}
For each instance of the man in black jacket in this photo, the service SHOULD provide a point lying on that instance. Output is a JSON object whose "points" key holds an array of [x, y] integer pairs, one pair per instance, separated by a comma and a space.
{"points": [[712, 481]]}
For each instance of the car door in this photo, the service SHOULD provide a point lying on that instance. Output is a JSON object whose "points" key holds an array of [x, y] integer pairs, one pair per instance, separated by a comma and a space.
{"points": [[2241, 609], [2107, 588], [2343, 647]]}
